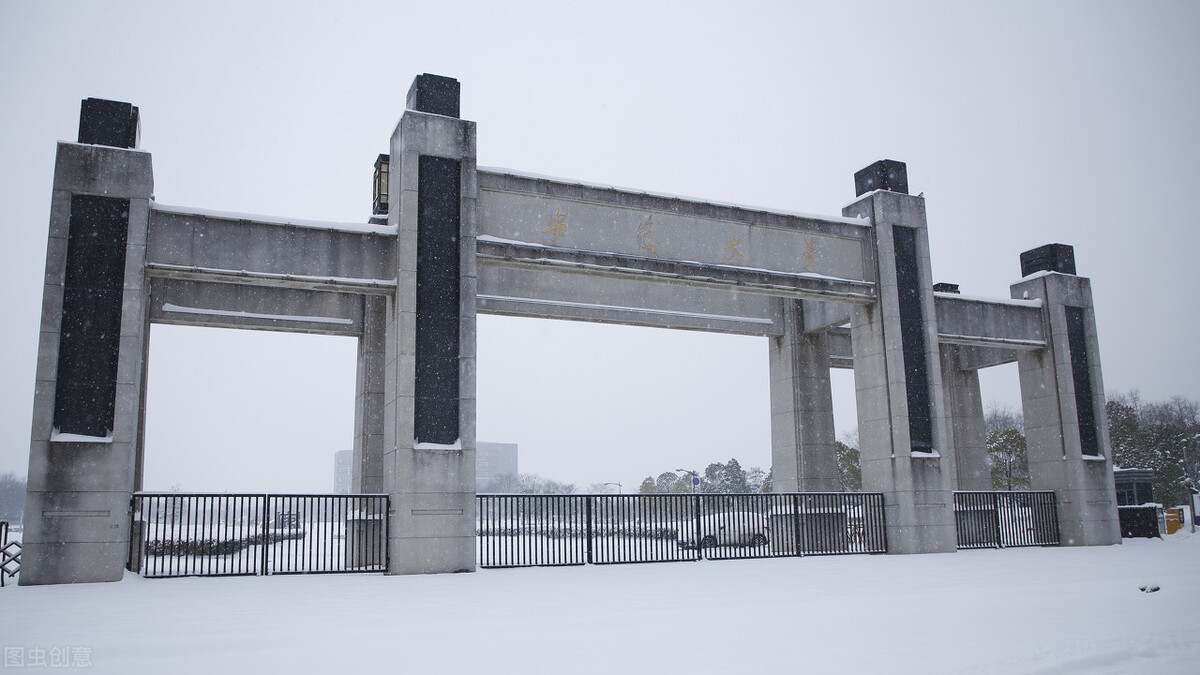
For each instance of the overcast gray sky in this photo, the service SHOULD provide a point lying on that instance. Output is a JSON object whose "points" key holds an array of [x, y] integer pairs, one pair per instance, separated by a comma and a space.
{"points": [[1024, 123]]}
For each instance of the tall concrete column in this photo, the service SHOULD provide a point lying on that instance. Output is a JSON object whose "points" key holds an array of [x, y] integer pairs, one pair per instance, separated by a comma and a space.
{"points": [[964, 402], [429, 407], [367, 472], [89, 399], [904, 441], [1062, 395], [802, 435]]}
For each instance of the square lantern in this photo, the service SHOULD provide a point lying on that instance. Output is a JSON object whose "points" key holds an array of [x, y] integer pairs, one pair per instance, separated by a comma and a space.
{"points": [[380, 201]]}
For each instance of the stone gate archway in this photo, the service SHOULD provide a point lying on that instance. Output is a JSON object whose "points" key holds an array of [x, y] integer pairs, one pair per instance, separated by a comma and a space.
{"points": [[853, 290]]}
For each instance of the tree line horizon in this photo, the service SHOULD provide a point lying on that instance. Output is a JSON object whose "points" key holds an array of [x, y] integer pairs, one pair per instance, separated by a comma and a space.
{"points": [[1163, 436]]}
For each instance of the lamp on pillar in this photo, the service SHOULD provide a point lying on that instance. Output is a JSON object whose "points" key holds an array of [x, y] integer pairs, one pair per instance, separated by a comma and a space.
{"points": [[379, 202]]}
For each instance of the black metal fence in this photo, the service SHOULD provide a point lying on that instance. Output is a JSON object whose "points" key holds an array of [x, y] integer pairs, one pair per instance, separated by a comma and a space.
{"points": [[1006, 519], [536, 530], [1144, 520], [10, 555], [175, 534]]}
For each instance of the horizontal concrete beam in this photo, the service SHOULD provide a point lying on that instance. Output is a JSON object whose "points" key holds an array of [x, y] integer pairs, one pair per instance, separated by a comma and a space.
{"points": [[547, 292], [222, 305], [508, 180], [785, 285], [571, 215], [971, 356], [278, 249], [265, 280], [976, 358], [1004, 324], [653, 318]]}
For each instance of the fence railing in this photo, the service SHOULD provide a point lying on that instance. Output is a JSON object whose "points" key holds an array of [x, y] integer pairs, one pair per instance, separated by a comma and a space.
{"points": [[536, 530], [176, 534], [10, 555], [1006, 519]]}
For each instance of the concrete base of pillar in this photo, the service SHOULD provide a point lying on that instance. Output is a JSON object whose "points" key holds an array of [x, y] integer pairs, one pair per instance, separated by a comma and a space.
{"points": [[72, 562], [433, 555], [1086, 500], [920, 519]]}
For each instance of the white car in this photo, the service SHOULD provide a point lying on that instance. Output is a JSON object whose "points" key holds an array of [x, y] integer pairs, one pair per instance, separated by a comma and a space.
{"points": [[734, 528]]}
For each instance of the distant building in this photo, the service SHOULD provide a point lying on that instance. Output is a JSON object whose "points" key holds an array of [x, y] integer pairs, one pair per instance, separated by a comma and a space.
{"points": [[493, 461], [1134, 486], [343, 461]]}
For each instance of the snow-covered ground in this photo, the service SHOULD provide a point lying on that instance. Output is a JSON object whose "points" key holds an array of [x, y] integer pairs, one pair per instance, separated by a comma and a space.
{"points": [[1039, 610]]}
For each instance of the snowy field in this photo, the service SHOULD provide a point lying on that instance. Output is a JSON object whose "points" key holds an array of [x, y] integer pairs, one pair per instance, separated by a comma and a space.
{"points": [[1039, 610]]}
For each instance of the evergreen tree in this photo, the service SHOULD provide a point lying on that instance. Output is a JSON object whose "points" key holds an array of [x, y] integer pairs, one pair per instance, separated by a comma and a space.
{"points": [[756, 480], [1009, 459], [1162, 436], [849, 466], [735, 477], [648, 486], [665, 483]]}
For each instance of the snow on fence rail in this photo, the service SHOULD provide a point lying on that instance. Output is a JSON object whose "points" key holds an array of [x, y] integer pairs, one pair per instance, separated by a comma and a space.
{"points": [[1006, 519], [176, 534], [537, 530]]}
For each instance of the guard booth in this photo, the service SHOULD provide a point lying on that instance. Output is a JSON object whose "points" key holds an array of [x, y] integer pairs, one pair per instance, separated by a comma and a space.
{"points": [[1139, 514]]}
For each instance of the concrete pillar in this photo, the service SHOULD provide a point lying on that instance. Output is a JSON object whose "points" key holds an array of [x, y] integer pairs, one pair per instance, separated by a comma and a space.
{"points": [[803, 458], [89, 398], [964, 403], [367, 472], [903, 430], [1062, 396], [429, 406]]}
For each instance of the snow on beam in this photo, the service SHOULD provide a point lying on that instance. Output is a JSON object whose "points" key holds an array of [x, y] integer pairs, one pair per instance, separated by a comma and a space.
{"points": [[652, 318], [198, 303], [279, 250], [744, 279], [1006, 324], [295, 281]]}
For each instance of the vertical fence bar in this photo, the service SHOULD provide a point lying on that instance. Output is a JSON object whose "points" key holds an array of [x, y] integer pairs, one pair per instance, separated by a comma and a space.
{"points": [[1002, 525], [1052, 515], [589, 530]]}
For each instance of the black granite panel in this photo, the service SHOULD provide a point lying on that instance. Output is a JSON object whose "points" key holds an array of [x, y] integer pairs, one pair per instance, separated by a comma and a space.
{"points": [[1082, 377], [85, 393], [434, 94], [886, 174], [111, 123], [437, 385], [1048, 258], [912, 336]]}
